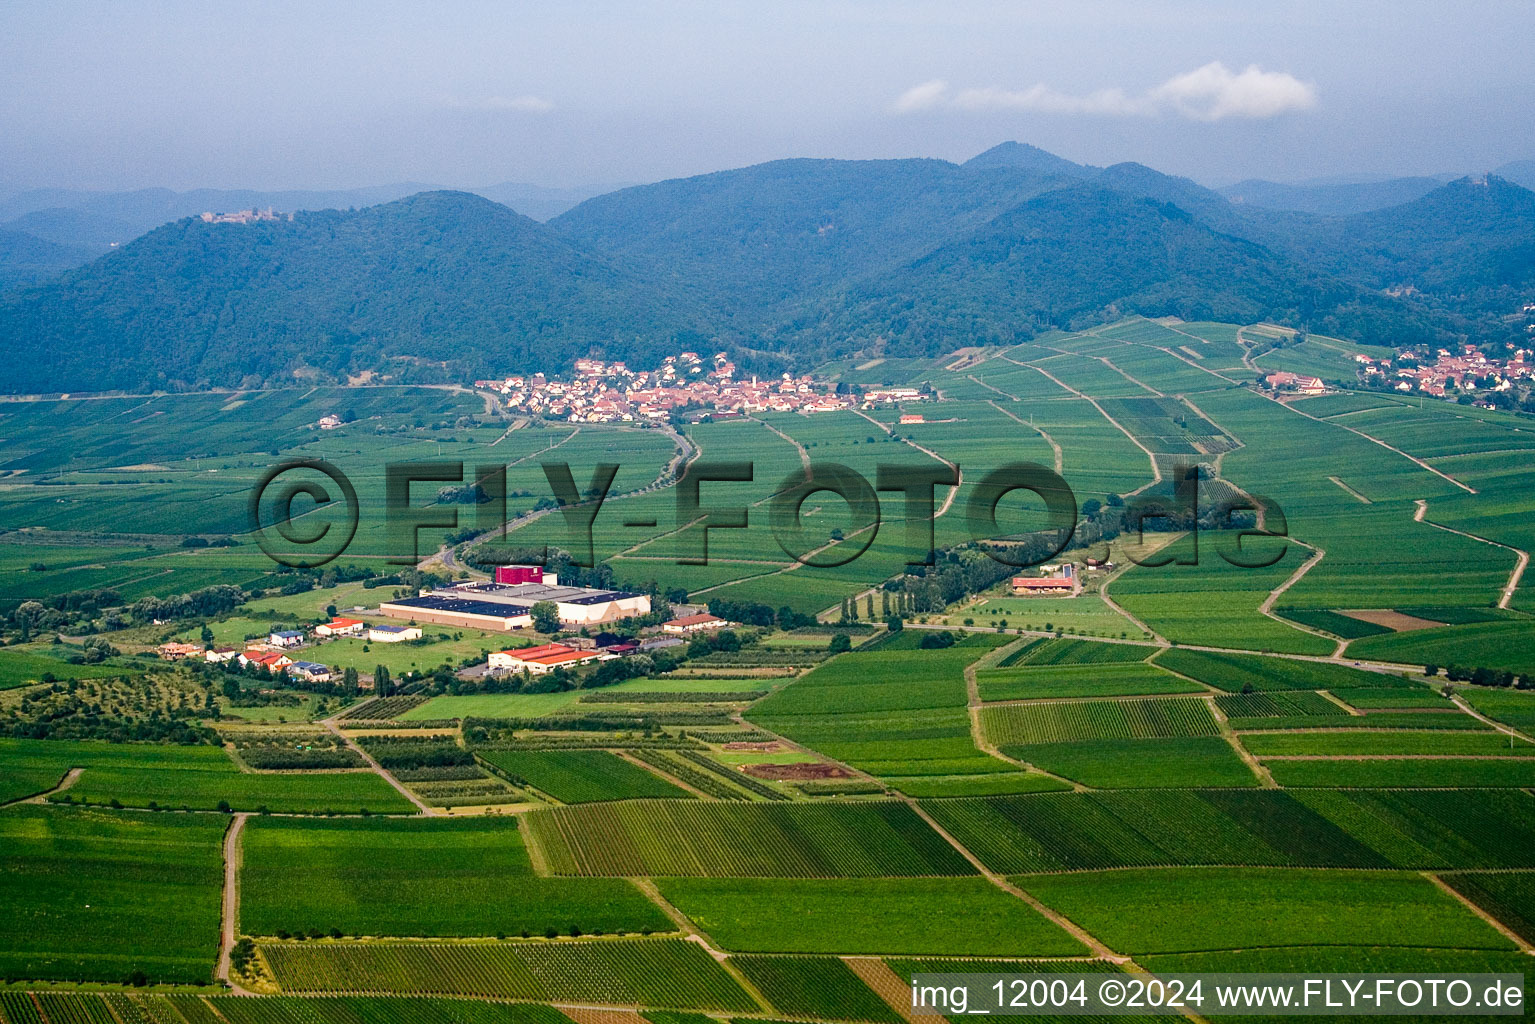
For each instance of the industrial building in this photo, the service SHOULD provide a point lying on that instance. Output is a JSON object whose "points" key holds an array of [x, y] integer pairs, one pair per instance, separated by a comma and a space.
{"points": [[505, 606]]}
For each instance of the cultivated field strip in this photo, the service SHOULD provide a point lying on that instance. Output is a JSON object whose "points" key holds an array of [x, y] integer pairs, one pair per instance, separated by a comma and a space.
{"points": [[1061, 651], [819, 987], [1068, 721], [151, 1008], [1278, 704], [578, 776], [722, 840], [668, 973], [1417, 829]]}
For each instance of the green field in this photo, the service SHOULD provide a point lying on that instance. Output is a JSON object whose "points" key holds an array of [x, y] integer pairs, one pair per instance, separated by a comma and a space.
{"points": [[1140, 763], [994, 784], [1084, 831], [1393, 742], [819, 987], [896, 710], [1171, 910], [419, 876], [1233, 672], [1110, 680], [155, 1008], [884, 916], [1508, 897], [580, 776], [665, 973], [724, 840], [21, 666], [1071, 721], [192, 777], [1445, 773], [97, 895], [1132, 794]]}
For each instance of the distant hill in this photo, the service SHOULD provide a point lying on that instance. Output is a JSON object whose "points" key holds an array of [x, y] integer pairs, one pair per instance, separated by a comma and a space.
{"points": [[101, 218], [1024, 157], [754, 242], [1330, 200], [790, 260], [1065, 259], [27, 259], [1520, 172], [439, 285]]}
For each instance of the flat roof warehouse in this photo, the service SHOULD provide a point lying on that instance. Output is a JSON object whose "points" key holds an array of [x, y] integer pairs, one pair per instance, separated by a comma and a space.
{"points": [[505, 606]]}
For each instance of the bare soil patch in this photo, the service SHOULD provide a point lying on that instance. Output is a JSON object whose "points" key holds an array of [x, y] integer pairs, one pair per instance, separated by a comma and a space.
{"points": [[798, 772], [1390, 619]]}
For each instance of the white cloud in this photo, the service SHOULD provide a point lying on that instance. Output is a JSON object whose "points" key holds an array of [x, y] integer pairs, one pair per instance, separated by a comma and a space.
{"points": [[922, 97], [1214, 92], [1211, 93], [519, 104], [501, 104]]}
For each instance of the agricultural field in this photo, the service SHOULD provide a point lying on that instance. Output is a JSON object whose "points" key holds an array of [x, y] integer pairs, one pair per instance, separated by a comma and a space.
{"points": [[662, 973], [1202, 765], [580, 776], [1235, 672], [1171, 910], [1509, 897], [420, 876], [866, 915], [1084, 615], [1086, 831], [818, 987], [1139, 763], [1071, 721], [193, 777], [95, 895], [1442, 773], [896, 710], [1052, 682], [724, 840]]}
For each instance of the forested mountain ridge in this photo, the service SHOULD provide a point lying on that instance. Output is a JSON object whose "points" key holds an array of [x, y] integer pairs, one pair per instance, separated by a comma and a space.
{"points": [[438, 278], [753, 242], [1068, 258], [792, 261]]}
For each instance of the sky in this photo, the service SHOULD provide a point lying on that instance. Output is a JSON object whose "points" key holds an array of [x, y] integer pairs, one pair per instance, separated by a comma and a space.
{"points": [[333, 95]]}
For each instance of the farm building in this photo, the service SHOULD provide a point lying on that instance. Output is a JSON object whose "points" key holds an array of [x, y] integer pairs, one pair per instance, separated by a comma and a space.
{"points": [[175, 650], [310, 671], [286, 638], [689, 624], [273, 660], [912, 417], [505, 606], [219, 654], [1046, 586], [393, 634], [543, 658], [340, 627], [1299, 382]]}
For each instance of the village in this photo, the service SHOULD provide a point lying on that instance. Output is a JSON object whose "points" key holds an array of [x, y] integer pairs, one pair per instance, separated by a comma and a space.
{"points": [[1466, 372], [687, 387]]}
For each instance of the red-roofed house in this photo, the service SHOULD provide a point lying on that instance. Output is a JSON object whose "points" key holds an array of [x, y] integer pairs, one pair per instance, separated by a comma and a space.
{"points": [[273, 660], [543, 658], [340, 627]]}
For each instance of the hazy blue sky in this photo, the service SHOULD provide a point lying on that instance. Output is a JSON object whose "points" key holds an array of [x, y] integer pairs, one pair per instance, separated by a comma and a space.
{"points": [[311, 94]]}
